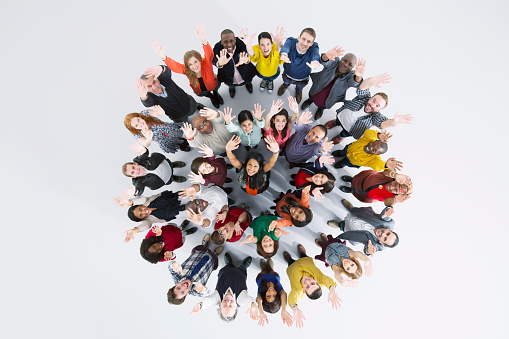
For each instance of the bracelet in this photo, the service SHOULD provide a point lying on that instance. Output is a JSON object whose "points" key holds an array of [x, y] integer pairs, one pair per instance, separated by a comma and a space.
{"points": [[191, 139]]}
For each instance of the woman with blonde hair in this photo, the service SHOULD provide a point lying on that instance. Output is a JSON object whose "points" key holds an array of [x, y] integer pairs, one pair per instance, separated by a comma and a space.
{"points": [[197, 69]]}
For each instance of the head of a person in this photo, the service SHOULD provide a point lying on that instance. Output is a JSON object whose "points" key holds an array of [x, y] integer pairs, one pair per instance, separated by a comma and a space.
{"points": [[280, 122], [138, 212], [246, 121], [324, 179], [252, 169], [132, 170], [265, 43], [267, 247], [376, 103], [228, 40], [202, 125], [306, 39], [153, 84], [228, 308], [347, 63], [396, 188], [201, 166], [135, 122], [351, 267], [376, 147], [197, 205], [219, 236], [178, 293], [192, 63], [311, 287], [152, 249], [271, 299], [316, 134], [386, 237], [301, 216]]}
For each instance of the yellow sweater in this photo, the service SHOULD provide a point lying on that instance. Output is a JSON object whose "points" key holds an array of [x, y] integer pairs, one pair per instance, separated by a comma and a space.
{"points": [[300, 268], [266, 66], [359, 157]]}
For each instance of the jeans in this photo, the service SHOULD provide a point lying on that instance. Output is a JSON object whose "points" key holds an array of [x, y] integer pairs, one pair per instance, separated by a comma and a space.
{"points": [[299, 85], [271, 78]]}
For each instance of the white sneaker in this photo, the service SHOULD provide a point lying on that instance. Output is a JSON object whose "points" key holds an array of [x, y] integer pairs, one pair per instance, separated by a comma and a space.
{"points": [[263, 84]]}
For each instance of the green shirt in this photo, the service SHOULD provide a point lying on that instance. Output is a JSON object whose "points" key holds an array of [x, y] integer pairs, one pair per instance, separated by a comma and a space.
{"points": [[260, 227]]}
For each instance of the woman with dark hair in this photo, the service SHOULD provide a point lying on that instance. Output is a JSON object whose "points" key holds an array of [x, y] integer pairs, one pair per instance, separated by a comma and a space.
{"points": [[198, 70], [247, 128], [160, 242], [343, 260], [267, 242], [158, 208], [265, 55], [293, 211], [254, 174], [277, 121], [146, 127], [316, 176], [208, 170], [271, 295]]}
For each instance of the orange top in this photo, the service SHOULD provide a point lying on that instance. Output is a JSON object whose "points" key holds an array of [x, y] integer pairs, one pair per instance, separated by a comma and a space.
{"points": [[249, 190], [287, 219]]}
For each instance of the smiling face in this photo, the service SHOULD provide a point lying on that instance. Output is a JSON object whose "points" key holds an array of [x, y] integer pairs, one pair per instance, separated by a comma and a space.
{"points": [[202, 125], [385, 236], [305, 41], [182, 288], [280, 122], [206, 168], [223, 231], [309, 285], [297, 214], [346, 64], [349, 266], [156, 248], [375, 104], [135, 170], [228, 41], [316, 134], [395, 188], [228, 306], [138, 123], [265, 46], [271, 293], [320, 179], [201, 204], [141, 212], [252, 167], [247, 126], [374, 147], [153, 85], [194, 65], [268, 244]]}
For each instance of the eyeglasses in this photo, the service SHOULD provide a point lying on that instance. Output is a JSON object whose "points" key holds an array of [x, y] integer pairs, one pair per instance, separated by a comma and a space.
{"points": [[205, 123]]}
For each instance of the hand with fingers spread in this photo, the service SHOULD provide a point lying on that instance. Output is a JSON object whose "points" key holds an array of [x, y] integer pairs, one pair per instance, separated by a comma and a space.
{"points": [[371, 248], [122, 202], [285, 58], [326, 160], [237, 229], [196, 218], [384, 136], [393, 164], [299, 318], [142, 89], [129, 235], [293, 104], [209, 113], [257, 113], [221, 216], [206, 151], [400, 198], [223, 58], [189, 131], [155, 71], [402, 119], [272, 144], [187, 192], [282, 232], [287, 318], [159, 49], [273, 225], [349, 282], [276, 107], [368, 268], [196, 178], [334, 298], [360, 68], [279, 36], [243, 59], [147, 134], [233, 144], [313, 64], [129, 192], [168, 255], [200, 33], [317, 193], [380, 80], [157, 230], [249, 239], [253, 311], [227, 115], [244, 36], [137, 148], [327, 145], [335, 52], [305, 118], [262, 319], [403, 179], [156, 111]]}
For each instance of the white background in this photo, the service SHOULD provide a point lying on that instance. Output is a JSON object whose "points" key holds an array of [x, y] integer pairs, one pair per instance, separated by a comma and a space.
{"points": [[69, 70]]}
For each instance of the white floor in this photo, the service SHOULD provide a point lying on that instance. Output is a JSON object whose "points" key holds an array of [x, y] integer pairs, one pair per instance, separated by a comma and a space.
{"points": [[69, 71]]}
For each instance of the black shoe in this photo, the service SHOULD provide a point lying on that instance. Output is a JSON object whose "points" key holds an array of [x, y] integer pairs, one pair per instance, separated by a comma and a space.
{"points": [[229, 166], [186, 222], [231, 202], [337, 153], [346, 178], [287, 256], [318, 113], [178, 164], [228, 259], [270, 86], [338, 164], [191, 230], [293, 176], [215, 102], [199, 106], [183, 208], [185, 148], [227, 180], [292, 183], [247, 262], [178, 178], [345, 189], [296, 164], [228, 190], [232, 92], [249, 87], [306, 103], [218, 97]]}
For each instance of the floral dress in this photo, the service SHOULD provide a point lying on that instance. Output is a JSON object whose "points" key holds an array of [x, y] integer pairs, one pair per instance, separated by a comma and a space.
{"points": [[168, 134]]}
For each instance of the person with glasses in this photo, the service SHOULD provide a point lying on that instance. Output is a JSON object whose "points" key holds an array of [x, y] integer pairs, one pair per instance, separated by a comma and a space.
{"points": [[209, 129]]}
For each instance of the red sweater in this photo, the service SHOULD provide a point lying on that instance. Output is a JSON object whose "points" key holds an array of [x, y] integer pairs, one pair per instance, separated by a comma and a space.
{"points": [[172, 238], [232, 216]]}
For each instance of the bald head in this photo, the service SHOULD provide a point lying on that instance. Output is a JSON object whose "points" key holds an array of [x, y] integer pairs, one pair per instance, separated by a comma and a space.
{"points": [[191, 205], [202, 125], [347, 63]]}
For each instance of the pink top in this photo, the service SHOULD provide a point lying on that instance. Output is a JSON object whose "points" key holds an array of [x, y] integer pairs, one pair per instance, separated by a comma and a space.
{"points": [[279, 139]]}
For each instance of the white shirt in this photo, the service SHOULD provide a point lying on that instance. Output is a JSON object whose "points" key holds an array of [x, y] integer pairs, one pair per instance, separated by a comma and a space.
{"points": [[216, 197]]}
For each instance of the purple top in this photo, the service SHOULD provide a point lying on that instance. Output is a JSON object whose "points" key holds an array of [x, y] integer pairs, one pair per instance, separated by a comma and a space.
{"points": [[295, 149]]}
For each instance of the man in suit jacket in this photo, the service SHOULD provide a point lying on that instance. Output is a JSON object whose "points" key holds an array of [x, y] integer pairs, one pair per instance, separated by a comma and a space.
{"points": [[153, 172], [232, 61]]}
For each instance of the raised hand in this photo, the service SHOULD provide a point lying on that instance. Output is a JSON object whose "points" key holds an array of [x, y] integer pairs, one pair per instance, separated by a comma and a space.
{"points": [[334, 298], [384, 136], [220, 217], [253, 311], [279, 36], [335, 52], [360, 68], [209, 113], [273, 225], [137, 148], [155, 71], [196, 178], [262, 319], [393, 164], [142, 89], [206, 151], [292, 103], [129, 192], [371, 248], [402, 119], [271, 143], [276, 107], [349, 282], [368, 268], [285, 58], [188, 130], [147, 134], [244, 36], [227, 115], [327, 145], [129, 235], [381, 79], [196, 308], [243, 59], [176, 266], [248, 240], [157, 230], [198, 287], [187, 192], [287, 318], [388, 212], [281, 232], [313, 64], [196, 218], [200, 33], [156, 111], [222, 58], [317, 193], [257, 113], [299, 318], [326, 159], [306, 189], [403, 179], [159, 49], [237, 229], [400, 198], [122, 202], [168, 255], [233, 144], [305, 118]]}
